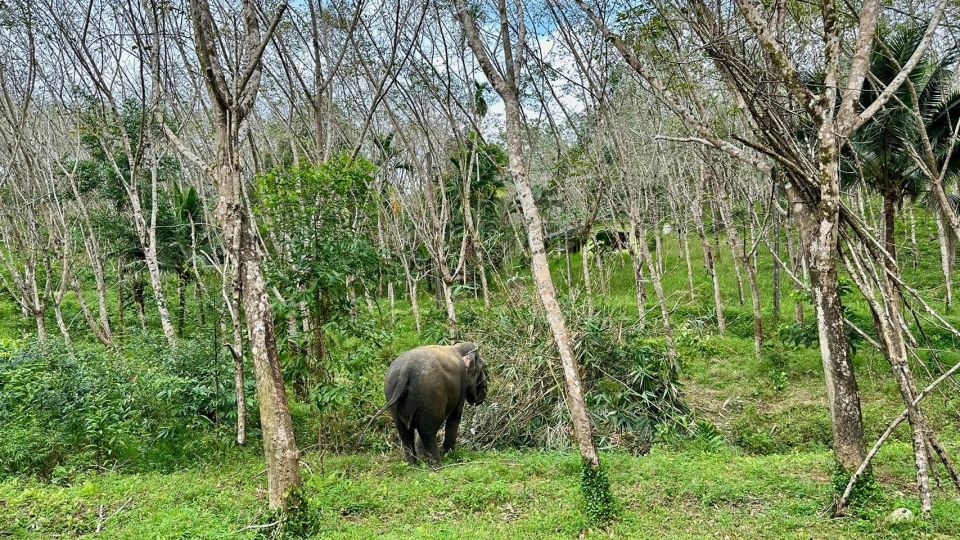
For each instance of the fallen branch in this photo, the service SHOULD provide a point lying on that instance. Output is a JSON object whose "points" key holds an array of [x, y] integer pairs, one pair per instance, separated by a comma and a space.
{"points": [[104, 519]]}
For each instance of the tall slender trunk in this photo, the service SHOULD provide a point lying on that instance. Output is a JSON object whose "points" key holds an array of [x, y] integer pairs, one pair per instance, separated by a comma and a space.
{"points": [[799, 269], [121, 300], [776, 253], [658, 245], [279, 445], [450, 307], [689, 261], [889, 324], [733, 236], [723, 206], [148, 238], [636, 260], [947, 255], [393, 302], [92, 246], [236, 350], [482, 270], [914, 248], [507, 87], [182, 303], [198, 284], [655, 275], [579, 415], [139, 299], [889, 229], [708, 261], [414, 300], [585, 267]]}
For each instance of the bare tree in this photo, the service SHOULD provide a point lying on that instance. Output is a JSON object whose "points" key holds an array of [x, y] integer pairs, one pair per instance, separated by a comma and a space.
{"points": [[233, 94], [506, 81]]}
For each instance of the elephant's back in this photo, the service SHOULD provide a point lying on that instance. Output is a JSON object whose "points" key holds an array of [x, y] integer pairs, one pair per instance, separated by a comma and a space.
{"points": [[432, 375]]}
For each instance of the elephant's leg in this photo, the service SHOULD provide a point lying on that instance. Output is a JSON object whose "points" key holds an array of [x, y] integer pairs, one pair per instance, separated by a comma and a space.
{"points": [[406, 437], [450, 430], [429, 438]]}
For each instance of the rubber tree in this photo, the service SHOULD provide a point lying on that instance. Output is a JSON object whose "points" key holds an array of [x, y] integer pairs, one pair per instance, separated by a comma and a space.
{"points": [[233, 95], [506, 81]]}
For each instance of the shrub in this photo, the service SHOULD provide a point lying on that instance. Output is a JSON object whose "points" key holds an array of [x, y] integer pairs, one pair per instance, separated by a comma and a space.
{"points": [[631, 384], [92, 407]]}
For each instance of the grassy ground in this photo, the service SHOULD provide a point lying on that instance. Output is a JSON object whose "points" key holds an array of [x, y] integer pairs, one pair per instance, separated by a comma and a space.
{"points": [[669, 493], [768, 475]]}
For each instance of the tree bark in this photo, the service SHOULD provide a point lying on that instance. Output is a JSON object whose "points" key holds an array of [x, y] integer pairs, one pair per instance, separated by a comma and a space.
{"points": [[451, 308], [279, 445], [508, 88], [947, 255], [697, 210], [636, 260], [889, 229], [233, 102], [733, 236], [819, 228], [689, 261], [414, 300], [657, 283]]}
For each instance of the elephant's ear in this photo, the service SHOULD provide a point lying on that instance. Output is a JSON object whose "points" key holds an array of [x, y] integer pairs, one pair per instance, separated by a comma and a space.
{"points": [[470, 356]]}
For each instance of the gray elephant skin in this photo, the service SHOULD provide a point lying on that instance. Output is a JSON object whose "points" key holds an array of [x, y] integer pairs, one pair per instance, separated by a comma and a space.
{"points": [[426, 388]]}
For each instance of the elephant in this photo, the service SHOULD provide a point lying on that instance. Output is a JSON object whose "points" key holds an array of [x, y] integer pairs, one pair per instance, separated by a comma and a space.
{"points": [[426, 387]]}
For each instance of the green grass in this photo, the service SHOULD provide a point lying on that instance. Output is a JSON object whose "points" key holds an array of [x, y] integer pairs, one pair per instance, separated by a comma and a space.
{"points": [[770, 476], [669, 494]]}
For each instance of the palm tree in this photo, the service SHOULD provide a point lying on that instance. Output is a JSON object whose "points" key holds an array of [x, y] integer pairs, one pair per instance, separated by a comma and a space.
{"points": [[884, 153]]}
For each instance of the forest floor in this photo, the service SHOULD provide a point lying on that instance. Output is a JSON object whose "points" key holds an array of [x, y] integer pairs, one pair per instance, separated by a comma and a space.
{"points": [[770, 476], [481, 495], [767, 474]]}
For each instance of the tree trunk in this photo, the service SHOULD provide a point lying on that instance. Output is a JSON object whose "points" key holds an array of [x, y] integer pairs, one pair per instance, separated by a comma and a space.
{"points": [[889, 229], [689, 261], [139, 299], [889, 324], [41, 325], [776, 247], [658, 245], [757, 313], [819, 226], [508, 89], [796, 260], [239, 379], [723, 206], [733, 236], [393, 302], [636, 260], [148, 239], [585, 267], [913, 238], [279, 445], [447, 287], [101, 282], [579, 415], [482, 270], [182, 303], [414, 301], [121, 302], [947, 254], [697, 210], [657, 283]]}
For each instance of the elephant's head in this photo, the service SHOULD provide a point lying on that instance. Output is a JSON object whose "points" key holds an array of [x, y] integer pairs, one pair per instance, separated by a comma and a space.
{"points": [[476, 373]]}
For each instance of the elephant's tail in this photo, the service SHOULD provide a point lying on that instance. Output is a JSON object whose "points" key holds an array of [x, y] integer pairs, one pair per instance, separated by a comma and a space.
{"points": [[398, 391]]}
